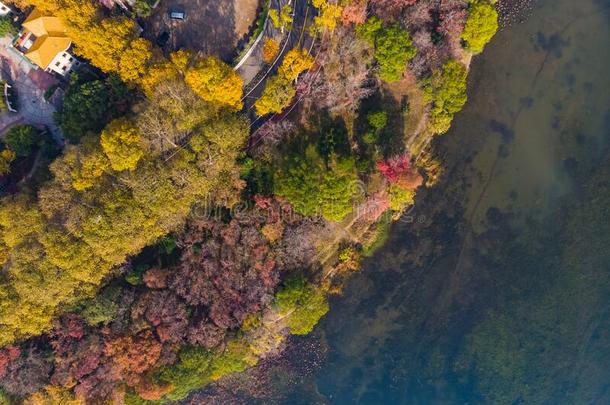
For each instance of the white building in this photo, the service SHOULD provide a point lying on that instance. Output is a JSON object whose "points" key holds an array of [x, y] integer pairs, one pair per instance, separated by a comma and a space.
{"points": [[5, 10]]}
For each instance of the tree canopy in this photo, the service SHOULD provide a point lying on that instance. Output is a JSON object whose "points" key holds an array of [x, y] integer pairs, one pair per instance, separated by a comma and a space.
{"points": [[393, 47], [21, 139], [89, 105], [481, 25], [316, 187], [447, 91]]}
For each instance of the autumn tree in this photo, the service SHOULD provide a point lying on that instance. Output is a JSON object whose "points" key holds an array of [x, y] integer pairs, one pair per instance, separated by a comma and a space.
{"points": [[295, 62], [279, 90], [122, 144], [216, 82], [7, 156], [354, 12], [270, 50], [277, 95]]}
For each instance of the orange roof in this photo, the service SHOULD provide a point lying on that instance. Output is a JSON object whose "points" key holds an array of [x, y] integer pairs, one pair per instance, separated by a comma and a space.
{"points": [[46, 49], [40, 25], [51, 38]]}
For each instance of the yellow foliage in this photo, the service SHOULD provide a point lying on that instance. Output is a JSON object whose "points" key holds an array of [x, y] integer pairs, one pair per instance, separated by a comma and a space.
{"points": [[295, 62], [216, 82], [270, 50], [276, 96], [133, 64], [53, 395], [328, 16], [6, 158], [122, 144]]}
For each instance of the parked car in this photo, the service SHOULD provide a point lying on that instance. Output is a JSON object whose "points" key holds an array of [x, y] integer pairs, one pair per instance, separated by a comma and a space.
{"points": [[177, 14]]}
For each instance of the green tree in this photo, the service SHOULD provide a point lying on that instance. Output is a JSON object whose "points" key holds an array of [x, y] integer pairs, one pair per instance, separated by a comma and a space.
{"points": [[302, 303], [21, 139], [393, 47], [7, 27], [89, 105], [377, 119], [277, 95], [446, 89], [481, 25], [316, 187]]}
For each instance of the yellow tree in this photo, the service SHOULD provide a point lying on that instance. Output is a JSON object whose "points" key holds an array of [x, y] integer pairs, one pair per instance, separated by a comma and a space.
{"points": [[295, 62], [6, 158], [122, 144], [277, 95], [133, 64], [165, 71], [216, 82], [328, 16], [270, 50]]}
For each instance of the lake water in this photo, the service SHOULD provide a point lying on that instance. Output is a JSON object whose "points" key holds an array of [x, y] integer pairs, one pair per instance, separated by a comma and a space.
{"points": [[499, 290]]}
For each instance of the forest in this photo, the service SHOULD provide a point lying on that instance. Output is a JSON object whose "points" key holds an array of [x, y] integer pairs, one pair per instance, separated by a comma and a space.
{"points": [[172, 242]]}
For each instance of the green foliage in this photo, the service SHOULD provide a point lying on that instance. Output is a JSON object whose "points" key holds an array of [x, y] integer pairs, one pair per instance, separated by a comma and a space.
{"points": [[393, 47], [382, 232], [481, 25], [446, 89], [190, 372], [101, 309], [21, 139], [400, 198], [302, 303], [89, 105], [197, 367], [143, 8], [134, 277], [7, 27], [377, 119], [277, 95], [314, 187]]}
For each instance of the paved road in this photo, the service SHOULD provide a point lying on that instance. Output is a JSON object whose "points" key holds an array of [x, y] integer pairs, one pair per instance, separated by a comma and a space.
{"points": [[30, 85], [304, 13]]}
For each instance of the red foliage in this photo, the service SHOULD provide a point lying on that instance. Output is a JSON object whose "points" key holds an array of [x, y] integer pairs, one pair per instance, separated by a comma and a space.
{"points": [[133, 354], [354, 12], [398, 170], [390, 9], [223, 276], [7, 356], [156, 278], [165, 311]]}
